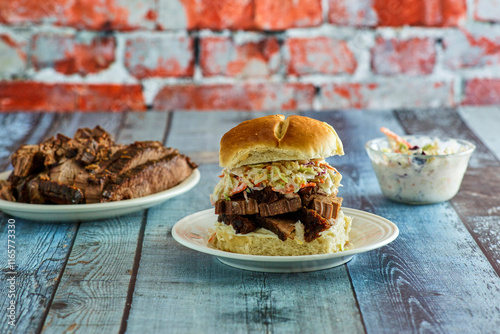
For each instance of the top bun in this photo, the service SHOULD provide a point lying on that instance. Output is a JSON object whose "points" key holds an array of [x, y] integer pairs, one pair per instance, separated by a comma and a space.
{"points": [[274, 138]]}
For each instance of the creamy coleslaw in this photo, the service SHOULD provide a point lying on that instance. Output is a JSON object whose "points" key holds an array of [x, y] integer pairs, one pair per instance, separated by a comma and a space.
{"points": [[283, 176]]}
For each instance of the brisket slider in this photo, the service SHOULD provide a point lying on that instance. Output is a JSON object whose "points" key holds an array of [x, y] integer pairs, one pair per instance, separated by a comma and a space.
{"points": [[277, 195]]}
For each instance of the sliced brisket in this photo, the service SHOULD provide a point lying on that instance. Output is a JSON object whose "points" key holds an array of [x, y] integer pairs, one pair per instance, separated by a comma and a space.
{"points": [[149, 178], [27, 160], [283, 226], [6, 191], [241, 225], [326, 206], [314, 224], [284, 205], [58, 193], [236, 207]]}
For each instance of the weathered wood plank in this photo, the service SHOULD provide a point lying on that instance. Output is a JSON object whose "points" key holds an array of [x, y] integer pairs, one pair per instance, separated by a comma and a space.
{"points": [[478, 201], [42, 248], [187, 292], [484, 122], [98, 278], [427, 279]]}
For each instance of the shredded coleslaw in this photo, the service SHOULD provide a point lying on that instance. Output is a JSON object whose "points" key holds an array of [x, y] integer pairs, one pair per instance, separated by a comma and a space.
{"points": [[283, 176]]}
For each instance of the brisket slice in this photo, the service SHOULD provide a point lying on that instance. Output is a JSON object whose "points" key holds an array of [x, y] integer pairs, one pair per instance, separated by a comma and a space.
{"points": [[236, 207], [284, 205], [314, 224], [149, 178], [58, 193], [241, 225], [326, 206], [26, 160], [6, 191], [128, 158], [283, 226]]}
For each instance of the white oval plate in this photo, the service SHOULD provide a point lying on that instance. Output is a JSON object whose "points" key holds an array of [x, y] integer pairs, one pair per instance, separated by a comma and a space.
{"points": [[95, 211], [368, 232]]}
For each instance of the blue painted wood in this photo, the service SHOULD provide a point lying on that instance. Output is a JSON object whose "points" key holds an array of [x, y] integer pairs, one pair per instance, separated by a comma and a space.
{"points": [[43, 248], [433, 278], [182, 291], [478, 201], [94, 289]]}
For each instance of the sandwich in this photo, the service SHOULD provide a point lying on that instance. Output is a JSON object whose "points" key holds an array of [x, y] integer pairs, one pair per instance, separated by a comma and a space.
{"points": [[277, 195]]}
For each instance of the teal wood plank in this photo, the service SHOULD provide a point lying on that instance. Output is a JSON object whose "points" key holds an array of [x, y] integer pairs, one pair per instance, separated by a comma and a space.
{"points": [[433, 277], [98, 278], [42, 248], [478, 201], [484, 122], [182, 291]]}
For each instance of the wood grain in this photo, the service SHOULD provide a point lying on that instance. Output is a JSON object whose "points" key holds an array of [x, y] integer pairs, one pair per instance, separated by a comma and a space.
{"points": [[478, 201], [188, 292], [426, 280], [96, 284], [43, 248], [487, 130]]}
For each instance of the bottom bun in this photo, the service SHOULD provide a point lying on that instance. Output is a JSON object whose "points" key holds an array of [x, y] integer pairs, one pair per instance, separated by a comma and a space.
{"points": [[265, 242]]}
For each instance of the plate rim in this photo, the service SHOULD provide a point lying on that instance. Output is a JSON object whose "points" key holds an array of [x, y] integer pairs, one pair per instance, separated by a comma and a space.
{"points": [[290, 258], [190, 182]]}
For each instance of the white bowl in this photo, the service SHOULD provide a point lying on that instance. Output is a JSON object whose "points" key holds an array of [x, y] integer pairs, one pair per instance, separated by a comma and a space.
{"points": [[420, 179]]}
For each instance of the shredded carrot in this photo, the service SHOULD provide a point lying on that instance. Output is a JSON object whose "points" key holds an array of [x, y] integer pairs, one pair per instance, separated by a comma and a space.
{"points": [[212, 238], [239, 188], [221, 176], [310, 184], [321, 181], [394, 136], [258, 184], [268, 167]]}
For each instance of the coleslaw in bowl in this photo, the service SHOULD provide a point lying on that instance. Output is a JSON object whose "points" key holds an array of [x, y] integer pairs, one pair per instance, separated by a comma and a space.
{"points": [[419, 169]]}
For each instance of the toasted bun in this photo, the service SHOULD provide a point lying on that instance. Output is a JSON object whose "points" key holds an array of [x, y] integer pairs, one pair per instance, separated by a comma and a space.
{"points": [[274, 138], [265, 242]]}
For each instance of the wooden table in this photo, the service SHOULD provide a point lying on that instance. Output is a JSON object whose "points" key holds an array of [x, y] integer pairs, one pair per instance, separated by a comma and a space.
{"points": [[441, 275]]}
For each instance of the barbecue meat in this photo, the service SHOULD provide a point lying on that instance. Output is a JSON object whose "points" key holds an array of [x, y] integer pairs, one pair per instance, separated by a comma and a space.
{"points": [[92, 168], [236, 207], [149, 178], [241, 225], [283, 226], [314, 224], [281, 206]]}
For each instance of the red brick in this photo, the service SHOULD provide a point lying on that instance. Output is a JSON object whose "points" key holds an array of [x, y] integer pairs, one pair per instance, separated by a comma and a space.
{"points": [[322, 55], [280, 15], [13, 59], [208, 14], [265, 96], [30, 11], [487, 10], [435, 13], [415, 56], [482, 92], [160, 56], [463, 49], [223, 56], [36, 96], [359, 13], [81, 14], [387, 94], [68, 54]]}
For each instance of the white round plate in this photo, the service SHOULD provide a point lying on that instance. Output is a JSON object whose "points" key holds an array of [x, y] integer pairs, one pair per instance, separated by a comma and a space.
{"points": [[85, 212], [368, 232]]}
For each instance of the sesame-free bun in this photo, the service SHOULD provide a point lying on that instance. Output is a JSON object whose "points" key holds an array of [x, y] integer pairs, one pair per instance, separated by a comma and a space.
{"points": [[275, 138], [265, 242]]}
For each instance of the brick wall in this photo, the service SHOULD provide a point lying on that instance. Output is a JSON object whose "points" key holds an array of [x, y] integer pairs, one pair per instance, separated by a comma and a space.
{"points": [[66, 55]]}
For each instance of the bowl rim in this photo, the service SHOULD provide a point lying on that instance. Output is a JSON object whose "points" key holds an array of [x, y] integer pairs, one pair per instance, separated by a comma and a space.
{"points": [[471, 147]]}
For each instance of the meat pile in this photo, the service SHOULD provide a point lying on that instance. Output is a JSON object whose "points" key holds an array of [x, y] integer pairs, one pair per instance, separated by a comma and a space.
{"points": [[279, 213], [92, 168]]}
